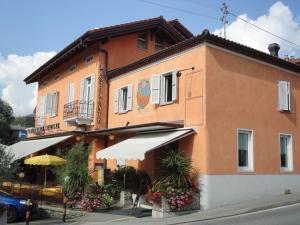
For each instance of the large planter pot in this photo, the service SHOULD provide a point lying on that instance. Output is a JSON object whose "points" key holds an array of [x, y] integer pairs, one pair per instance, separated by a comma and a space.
{"points": [[164, 210]]}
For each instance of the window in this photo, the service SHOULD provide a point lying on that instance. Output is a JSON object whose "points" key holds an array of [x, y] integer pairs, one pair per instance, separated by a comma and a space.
{"points": [[286, 152], [72, 67], [41, 112], [164, 88], [123, 99], [142, 41], [158, 43], [89, 58], [87, 96], [51, 104], [284, 96], [245, 150]]}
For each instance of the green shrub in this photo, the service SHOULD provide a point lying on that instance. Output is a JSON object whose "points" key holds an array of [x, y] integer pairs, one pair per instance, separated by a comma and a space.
{"points": [[74, 175]]}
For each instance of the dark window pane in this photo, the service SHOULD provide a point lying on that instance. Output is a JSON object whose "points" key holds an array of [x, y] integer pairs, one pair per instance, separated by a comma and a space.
{"points": [[283, 151], [142, 41], [168, 88], [243, 149]]}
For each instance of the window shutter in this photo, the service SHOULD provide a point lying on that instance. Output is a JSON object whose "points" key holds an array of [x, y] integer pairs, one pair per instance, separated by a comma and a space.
{"points": [[155, 89], [82, 95], [41, 111], [54, 104], [288, 86], [92, 86], [129, 97], [48, 104], [116, 101], [71, 93], [284, 95], [174, 85]]}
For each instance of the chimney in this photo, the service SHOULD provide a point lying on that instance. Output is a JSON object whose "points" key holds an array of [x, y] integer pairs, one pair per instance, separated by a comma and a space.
{"points": [[274, 49]]}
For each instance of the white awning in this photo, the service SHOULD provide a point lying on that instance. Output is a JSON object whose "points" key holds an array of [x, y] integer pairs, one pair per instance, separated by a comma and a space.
{"points": [[25, 148], [137, 146]]}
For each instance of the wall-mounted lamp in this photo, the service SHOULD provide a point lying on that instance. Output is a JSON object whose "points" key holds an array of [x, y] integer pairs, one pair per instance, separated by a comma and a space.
{"points": [[127, 123], [111, 137], [178, 74], [78, 138]]}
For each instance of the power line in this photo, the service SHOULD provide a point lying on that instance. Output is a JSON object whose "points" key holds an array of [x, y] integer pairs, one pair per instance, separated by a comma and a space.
{"points": [[205, 5], [262, 29], [178, 9]]}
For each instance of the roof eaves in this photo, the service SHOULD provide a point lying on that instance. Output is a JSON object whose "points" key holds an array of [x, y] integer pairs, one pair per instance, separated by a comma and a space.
{"points": [[209, 38]]}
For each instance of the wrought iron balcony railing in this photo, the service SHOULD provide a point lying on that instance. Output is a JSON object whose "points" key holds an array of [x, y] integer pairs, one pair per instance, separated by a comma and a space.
{"points": [[79, 109]]}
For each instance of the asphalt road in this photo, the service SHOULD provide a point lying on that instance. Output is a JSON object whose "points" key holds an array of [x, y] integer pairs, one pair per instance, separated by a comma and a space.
{"points": [[287, 215]]}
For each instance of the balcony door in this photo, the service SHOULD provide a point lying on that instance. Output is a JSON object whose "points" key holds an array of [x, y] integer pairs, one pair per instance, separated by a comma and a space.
{"points": [[87, 97]]}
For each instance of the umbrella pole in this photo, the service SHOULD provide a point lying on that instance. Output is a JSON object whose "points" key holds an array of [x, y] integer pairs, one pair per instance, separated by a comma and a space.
{"points": [[45, 183]]}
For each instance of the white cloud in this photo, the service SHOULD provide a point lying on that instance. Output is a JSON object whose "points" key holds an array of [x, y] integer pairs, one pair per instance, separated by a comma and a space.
{"points": [[279, 20], [13, 70]]}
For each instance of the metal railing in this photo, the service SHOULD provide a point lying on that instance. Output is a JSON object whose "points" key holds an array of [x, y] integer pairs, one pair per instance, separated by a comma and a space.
{"points": [[79, 109]]}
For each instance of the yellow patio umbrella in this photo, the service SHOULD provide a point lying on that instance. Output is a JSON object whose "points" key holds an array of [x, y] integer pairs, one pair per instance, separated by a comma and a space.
{"points": [[45, 160]]}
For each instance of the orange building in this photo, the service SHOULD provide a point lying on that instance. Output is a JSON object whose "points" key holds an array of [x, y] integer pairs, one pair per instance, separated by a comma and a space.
{"points": [[229, 107]]}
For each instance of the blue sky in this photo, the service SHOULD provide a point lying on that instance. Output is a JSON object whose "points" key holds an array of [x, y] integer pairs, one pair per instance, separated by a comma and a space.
{"points": [[34, 25], [33, 31]]}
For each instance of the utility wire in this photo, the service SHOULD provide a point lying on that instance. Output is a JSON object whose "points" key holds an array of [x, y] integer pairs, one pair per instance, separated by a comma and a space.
{"points": [[205, 5], [179, 9], [262, 29]]}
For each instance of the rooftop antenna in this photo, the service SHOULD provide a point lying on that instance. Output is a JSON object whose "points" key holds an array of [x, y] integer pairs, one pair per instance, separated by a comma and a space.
{"points": [[224, 20]]}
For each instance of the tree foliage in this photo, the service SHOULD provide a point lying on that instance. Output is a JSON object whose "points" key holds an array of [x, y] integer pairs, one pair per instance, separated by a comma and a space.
{"points": [[6, 118], [7, 167], [25, 121], [74, 175]]}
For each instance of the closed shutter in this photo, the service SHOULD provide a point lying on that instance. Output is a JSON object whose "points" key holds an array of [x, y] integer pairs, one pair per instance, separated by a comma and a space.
{"points": [[71, 93], [41, 113], [92, 87], [174, 85], [129, 97], [54, 103], [155, 89], [48, 104], [116, 100], [82, 96], [284, 95]]}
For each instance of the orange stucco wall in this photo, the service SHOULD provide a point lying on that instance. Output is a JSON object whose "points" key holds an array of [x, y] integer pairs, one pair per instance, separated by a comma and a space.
{"points": [[121, 50], [241, 93], [189, 106]]}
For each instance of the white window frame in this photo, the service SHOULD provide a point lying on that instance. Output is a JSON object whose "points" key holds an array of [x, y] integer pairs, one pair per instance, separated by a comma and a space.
{"points": [[119, 103], [122, 100], [250, 167], [289, 167], [162, 88], [53, 104]]}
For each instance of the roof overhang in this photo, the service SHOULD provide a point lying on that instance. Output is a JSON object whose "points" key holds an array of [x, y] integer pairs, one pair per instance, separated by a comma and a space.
{"points": [[157, 126]]}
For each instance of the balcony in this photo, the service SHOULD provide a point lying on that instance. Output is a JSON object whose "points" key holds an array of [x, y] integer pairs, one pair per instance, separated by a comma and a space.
{"points": [[79, 113]]}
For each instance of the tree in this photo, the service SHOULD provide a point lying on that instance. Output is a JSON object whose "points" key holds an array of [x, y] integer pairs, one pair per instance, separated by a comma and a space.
{"points": [[7, 166], [75, 175], [6, 118], [25, 121]]}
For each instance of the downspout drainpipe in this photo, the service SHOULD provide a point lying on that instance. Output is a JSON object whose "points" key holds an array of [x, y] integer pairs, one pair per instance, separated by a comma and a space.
{"points": [[107, 85]]}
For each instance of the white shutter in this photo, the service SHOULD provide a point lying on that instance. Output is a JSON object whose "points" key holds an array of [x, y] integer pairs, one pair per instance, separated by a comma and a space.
{"points": [[82, 89], [48, 104], [82, 96], [92, 87], [71, 93], [54, 103], [129, 97], [116, 100], [155, 89], [288, 86], [284, 95], [174, 85], [41, 113]]}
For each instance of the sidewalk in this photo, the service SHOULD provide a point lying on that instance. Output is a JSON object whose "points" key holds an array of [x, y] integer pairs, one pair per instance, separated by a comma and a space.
{"points": [[224, 211]]}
